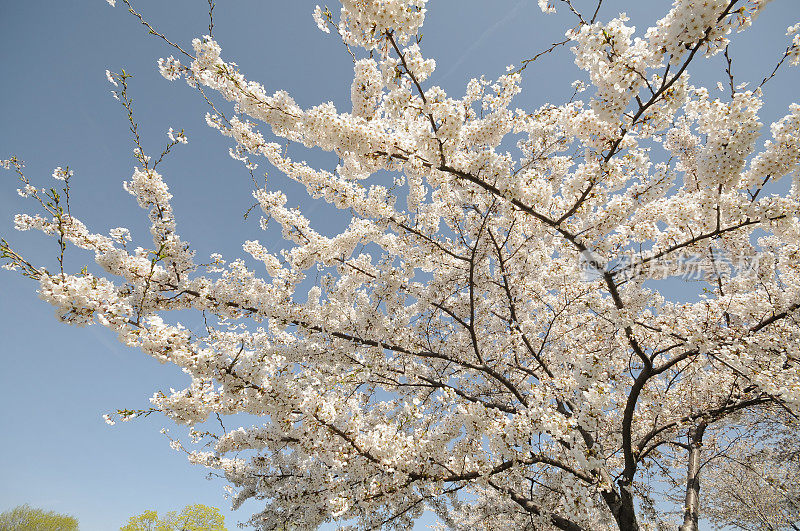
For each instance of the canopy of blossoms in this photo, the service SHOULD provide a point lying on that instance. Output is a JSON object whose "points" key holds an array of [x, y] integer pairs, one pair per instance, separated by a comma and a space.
{"points": [[482, 342]]}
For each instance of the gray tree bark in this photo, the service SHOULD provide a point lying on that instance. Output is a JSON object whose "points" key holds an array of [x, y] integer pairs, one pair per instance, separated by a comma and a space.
{"points": [[691, 506]]}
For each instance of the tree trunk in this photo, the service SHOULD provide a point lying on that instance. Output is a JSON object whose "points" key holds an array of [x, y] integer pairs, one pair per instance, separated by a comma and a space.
{"points": [[622, 506], [691, 507]]}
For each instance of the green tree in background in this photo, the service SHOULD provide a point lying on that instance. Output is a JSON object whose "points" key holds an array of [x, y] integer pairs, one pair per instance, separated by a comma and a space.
{"points": [[195, 517], [27, 518]]}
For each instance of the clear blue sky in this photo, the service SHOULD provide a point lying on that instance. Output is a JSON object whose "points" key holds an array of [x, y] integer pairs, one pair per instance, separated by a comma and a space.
{"points": [[56, 381]]}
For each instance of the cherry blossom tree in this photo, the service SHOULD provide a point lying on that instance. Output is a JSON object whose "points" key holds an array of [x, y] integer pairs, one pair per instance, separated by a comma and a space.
{"points": [[757, 486], [483, 340]]}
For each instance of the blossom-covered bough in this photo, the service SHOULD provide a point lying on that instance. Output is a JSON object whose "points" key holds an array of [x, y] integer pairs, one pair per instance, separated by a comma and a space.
{"points": [[483, 341]]}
